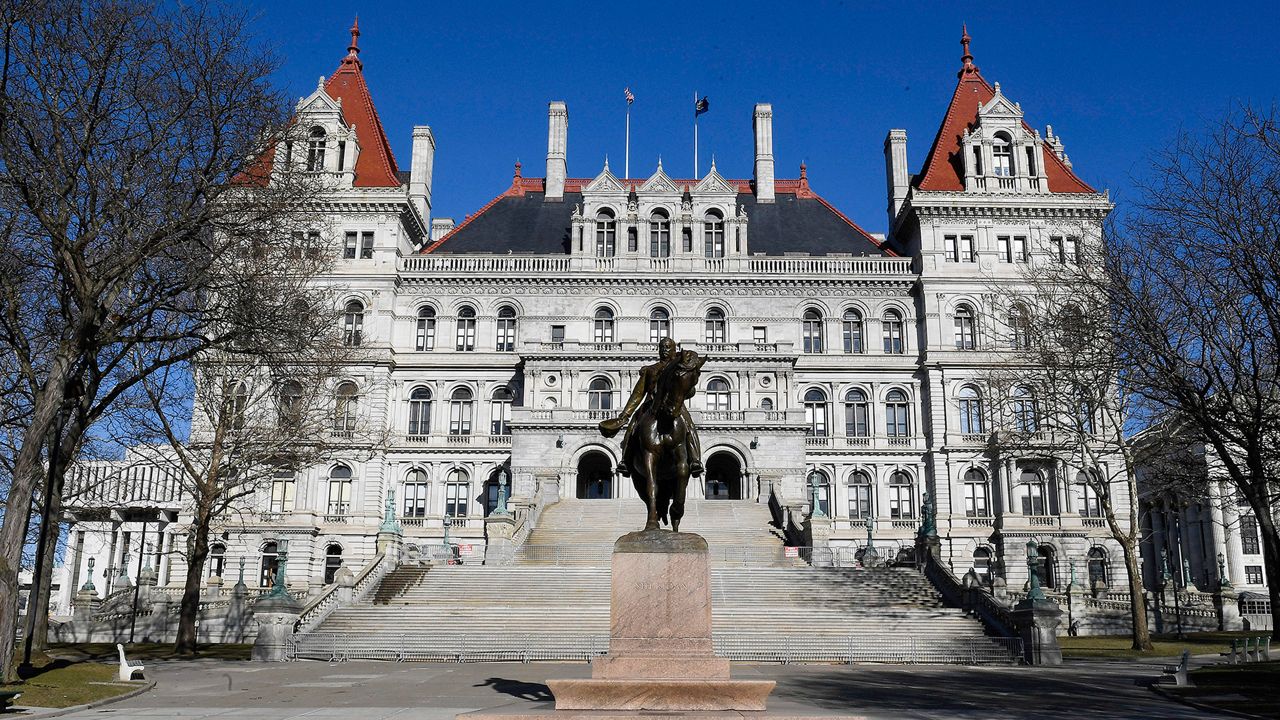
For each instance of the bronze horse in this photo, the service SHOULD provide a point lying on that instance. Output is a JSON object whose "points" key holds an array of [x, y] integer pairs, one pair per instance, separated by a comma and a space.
{"points": [[657, 452]]}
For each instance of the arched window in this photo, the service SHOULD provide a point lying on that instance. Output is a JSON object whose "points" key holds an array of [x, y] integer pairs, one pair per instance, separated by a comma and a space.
{"points": [[283, 483], [465, 340], [461, 408], [857, 414], [982, 564], [852, 331], [815, 413], [891, 324], [718, 397], [1097, 567], [966, 334], [500, 412], [897, 420], [1002, 156], [492, 488], [1025, 415], [425, 338], [420, 411], [332, 561], [239, 405], [270, 562], [415, 493], [659, 235], [811, 329], [315, 149], [976, 494], [1048, 566], [506, 329], [339, 490], [659, 324], [715, 326], [970, 410], [1031, 493], [606, 234], [902, 496], [766, 403], [1019, 327], [824, 490], [217, 559], [713, 234], [860, 496], [600, 394], [290, 402], [1090, 502], [602, 328], [346, 406], [457, 493], [353, 323]]}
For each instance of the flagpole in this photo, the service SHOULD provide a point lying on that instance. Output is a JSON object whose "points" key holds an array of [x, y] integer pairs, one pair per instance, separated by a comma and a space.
{"points": [[695, 134], [627, 163]]}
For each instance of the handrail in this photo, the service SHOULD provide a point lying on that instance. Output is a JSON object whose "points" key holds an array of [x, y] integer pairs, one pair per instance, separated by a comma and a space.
{"points": [[991, 611], [326, 602]]}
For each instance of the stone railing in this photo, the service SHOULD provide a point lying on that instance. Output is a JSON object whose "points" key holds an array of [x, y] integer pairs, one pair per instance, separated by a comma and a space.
{"points": [[326, 602], [976, 600], [506, 265]]}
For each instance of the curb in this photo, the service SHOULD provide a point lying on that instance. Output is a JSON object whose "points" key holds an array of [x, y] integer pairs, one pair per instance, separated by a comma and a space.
{"points": [[35, 712], [1201, 706]]}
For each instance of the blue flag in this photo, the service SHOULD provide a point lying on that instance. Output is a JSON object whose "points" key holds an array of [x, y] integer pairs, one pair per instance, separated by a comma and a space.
{"points": [[701, 106]]}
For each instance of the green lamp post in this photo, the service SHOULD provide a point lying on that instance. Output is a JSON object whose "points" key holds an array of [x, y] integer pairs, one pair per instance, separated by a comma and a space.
{"points": [[817, 504], [1035, 593], [278, 589]]}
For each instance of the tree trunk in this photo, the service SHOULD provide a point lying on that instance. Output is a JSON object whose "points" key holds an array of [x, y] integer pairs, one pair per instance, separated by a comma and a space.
{"points": [[1137, 597], [189, 611], [38, 622]]}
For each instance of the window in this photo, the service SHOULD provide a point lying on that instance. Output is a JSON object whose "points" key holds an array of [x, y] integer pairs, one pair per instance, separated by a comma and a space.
{"points": [[715, 326], [606, 234], [557, 333], [633, 239], [959, 248], [686, 238], [902, 497], [713, 234], [500, 412], [339, 490], [349, 245], [342, 155], [352, 323], [717, 395], [659, 235], [977, 160], [815, 413], [506, 329], [966, 335], [1031, 160], [760, 334], [1249, 544], [967, 252], [415, 493], [1020, 327], [1059, 251], [823, 483], [425, 337], [1090, 503], [952, 243], [859, 496], [1253, 574], [290, 402], [970, 411], [766, 403], [1005, 247], [283, 483], [1025, 416], [460, 411], [270, 562], [332, 561], [1020, 253], [812, 331], [1073, 250], [602, 328], [366, 245], [239, 405], [857, 412], [982, 564], [346, 407], [1097, 567], [315, 149], [896, 420], [659, 324], [600, 394], [851, 331], [420, 411], [976, 493], [892, 326], [457, 492], [217, 559], [465, 339], [1001, 156], [1031, 493]]}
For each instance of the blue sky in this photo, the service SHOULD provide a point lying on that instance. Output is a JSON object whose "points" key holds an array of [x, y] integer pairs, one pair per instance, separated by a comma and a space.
{"points": [[1115, 80]]}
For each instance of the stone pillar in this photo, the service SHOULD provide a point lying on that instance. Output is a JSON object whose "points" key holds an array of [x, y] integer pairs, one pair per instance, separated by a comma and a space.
{"points": [[1037, 622], [276, 615], [213, 588], [498, 548], [1227, 603], [346, 582], [817, 531], [85, 604]]}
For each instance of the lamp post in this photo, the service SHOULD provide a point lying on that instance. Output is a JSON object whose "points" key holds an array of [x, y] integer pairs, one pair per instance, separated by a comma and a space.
{"points": [[501, 506], [1169, 578], [282, 558], [1224, 582], [1035, 592], [817, 504]]}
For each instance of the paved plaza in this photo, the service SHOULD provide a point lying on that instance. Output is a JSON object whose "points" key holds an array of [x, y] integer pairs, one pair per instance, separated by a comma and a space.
{"points": [[377, 690]]}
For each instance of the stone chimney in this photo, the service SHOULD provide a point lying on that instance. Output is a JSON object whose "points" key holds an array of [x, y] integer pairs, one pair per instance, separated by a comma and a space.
{"points": [[895, 166], [763, 122], [420, 167], [440, 227], [557, 146]]}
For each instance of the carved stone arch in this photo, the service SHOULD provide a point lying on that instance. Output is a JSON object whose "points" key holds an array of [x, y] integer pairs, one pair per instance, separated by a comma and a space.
{"points": [[494, 305], [656, 302], [815, 303], [585, 445], [596, 303], [906, 310]]}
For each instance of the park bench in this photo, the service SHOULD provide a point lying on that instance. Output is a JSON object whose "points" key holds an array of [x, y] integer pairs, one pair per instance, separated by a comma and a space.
{"points": [[126, 670], [1178, 672], [7, 697]]}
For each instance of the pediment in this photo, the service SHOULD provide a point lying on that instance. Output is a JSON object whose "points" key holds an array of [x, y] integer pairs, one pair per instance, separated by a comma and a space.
{"points": [[1000, 106], [319, 101], [659, 183], [605, 183], [714, 184]]}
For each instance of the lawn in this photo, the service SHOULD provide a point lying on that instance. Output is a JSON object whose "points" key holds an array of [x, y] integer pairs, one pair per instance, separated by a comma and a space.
{"points": [[1166, 645], [145, 651], [60, 684]]}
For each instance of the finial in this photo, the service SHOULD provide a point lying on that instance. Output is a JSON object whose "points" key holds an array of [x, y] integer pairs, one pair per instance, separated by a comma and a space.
{"points": [[713, 163], [353, 50], [606, 162], [966, 60], [517, 173], [659, 163], [804, 171]]}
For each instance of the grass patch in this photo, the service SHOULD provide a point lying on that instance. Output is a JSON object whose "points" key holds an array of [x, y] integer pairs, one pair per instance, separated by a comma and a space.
{"points": [[60, 684], [106, 652], [1166, 645], [1249, 688]]}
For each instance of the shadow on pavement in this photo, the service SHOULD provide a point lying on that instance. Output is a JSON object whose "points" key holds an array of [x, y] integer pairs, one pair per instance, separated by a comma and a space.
{"points": [[519, 689]]}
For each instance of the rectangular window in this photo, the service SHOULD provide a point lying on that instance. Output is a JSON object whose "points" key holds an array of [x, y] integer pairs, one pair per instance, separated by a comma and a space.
{"points": [[859, 502], [349, 246], [455, 502], [1056, 247], [633, 240], [1253, 574], [557, 333], [952, 246], [1020, 249], [1073, 250], [1249, 535], [366, 245], [687, 237], [342, 155], [901, 505], [760, 334], [1005, 248], [967, 253]]}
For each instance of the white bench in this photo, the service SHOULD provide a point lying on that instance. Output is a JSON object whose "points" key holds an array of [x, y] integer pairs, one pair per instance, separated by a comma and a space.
{"points": [[126, 670], [1179, 672], [7, 697]]}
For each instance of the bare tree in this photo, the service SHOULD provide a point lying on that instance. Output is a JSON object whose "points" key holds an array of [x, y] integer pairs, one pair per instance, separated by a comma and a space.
{"points": [[122, 127], [1197, 294], [1066, 396]]}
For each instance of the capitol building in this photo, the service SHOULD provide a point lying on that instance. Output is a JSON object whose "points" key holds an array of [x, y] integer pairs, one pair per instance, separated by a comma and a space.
{"points": [[844, 367]]}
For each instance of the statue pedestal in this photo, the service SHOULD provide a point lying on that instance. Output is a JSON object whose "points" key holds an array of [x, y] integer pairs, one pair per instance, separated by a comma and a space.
{"points": [[660, 653]]}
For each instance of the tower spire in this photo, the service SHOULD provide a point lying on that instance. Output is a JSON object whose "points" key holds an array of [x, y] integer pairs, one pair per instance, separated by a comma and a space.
{"points": [[353, 50], [966, 60]]}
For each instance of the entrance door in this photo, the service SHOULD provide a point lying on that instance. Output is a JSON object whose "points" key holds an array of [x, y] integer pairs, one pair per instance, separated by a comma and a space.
{"points": [[595, 476], [723, 477]]}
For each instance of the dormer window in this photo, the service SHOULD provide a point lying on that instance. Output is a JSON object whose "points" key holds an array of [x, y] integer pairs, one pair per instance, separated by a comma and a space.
{"points": [[1002, 156], [659, 235], [713, 234], [606, 234], [315, 149]]}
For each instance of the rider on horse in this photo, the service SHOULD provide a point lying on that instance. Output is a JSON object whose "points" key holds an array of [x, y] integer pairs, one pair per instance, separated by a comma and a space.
{"points": [[642, 397]]}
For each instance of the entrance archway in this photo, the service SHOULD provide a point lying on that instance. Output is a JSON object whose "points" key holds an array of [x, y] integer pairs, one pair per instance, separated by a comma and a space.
{"points": [[723, 477], [595, 476]]}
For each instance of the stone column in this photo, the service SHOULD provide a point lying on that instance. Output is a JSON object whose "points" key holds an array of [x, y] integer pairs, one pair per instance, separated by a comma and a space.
{"points": [[86, 603], [1037, 622], [1227, 603], [346, 582], [276, 617], [499, 549]]}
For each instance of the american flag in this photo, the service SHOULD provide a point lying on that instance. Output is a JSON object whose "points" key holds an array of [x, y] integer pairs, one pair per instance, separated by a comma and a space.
{"points": [[630, 95]]}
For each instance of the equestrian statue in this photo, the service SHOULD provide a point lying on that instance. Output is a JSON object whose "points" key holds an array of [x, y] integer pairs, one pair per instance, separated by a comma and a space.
{"points": [[660, 448]]}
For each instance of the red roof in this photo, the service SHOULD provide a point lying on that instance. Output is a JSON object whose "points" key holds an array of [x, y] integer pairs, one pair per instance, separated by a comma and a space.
{"points": [[944, 166]]}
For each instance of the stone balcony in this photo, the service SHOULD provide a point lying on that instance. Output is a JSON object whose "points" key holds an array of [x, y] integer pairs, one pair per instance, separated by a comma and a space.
{"points": [[471, 441], [704, 419], [505, 266], [882, 443]]}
